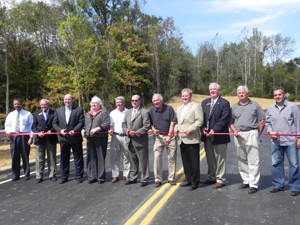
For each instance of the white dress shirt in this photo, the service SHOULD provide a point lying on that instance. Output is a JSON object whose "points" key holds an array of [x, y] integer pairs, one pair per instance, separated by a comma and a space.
{"points": [[116, 120], [26, 120]]}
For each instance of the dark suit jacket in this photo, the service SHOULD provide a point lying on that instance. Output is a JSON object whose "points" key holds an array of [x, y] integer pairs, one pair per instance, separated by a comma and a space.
{"points": [[76, 123], [140, 124], [218, 121], [39, 124]]}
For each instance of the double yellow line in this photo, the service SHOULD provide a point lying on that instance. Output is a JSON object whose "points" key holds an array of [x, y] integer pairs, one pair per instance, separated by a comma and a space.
{"points": [[164, 195]]}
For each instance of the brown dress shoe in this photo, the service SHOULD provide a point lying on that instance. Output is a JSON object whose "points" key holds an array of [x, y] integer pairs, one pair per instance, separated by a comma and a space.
{"points": [[157, 184], [218, 185], [115, 180], [172, 182]]}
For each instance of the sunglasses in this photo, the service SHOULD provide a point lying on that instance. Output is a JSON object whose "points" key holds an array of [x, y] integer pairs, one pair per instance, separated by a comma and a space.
{"points": [[133, 100]]}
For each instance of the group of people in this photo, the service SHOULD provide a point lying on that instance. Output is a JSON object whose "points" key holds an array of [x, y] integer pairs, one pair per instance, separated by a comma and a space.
{"points": [[185, 128]]}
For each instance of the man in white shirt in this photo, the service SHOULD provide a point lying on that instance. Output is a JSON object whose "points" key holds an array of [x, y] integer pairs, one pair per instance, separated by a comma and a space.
{"points": [[18, 123], [118, 143]]}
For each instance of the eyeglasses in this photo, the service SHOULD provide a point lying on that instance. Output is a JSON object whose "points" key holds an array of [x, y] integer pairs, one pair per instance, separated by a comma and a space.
{"points": [[134, 100]]}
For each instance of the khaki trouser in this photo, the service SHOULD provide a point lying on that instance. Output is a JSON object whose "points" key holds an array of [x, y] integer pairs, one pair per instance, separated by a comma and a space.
{"points": [[159, 145]]}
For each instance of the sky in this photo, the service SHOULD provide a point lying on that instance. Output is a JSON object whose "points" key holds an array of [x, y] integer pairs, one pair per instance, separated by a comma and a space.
{"points": [[200, 20]]}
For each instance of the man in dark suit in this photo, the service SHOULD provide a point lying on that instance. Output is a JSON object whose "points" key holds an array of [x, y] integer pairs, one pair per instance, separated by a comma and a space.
{"points": [[44, 141], [136, 125], [216, 111], [69, 120]]}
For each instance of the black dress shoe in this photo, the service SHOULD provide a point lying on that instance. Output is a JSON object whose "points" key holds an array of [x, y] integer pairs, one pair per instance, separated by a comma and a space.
{"points": [[243, 186], [194, 187], [63, 181], [91, 181], [252, 190], [295, 193], [54, 178], [79, 180], [185, 184], [130, 182], [101, 181], [275, 190], [15, 178], [143, 184], [207, 182], [27, 178], [40, 180]]}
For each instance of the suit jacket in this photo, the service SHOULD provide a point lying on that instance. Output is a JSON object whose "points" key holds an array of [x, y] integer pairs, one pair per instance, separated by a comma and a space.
{"points": [[140, 123], [192, 121], [40, 124], [76, 123], [218, 120]]}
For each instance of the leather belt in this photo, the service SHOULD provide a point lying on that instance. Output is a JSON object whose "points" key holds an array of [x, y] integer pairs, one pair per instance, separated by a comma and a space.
{"points": [[120, 134]]}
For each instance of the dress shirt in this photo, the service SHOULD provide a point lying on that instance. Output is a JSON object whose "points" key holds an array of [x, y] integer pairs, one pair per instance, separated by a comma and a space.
{"points": [[116, 120], [184, 111], [284, 120], [26, 120]]}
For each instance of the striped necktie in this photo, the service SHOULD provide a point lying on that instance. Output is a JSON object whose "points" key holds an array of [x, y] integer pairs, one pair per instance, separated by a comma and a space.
{"points": [[17, 128]]}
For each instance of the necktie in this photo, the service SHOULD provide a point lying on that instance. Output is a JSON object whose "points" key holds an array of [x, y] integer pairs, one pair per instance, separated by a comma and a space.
{"points": [[17, 128], [134, 114], [212, 103], [211, 106], [68, 113], [46, 115]]}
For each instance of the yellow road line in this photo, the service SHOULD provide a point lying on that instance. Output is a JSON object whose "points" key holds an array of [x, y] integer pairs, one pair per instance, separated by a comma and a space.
{"points": [[141, 210], [166, 197]]}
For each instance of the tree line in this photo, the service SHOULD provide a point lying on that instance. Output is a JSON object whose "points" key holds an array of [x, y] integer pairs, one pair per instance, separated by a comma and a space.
{"points": [[110, 48]]}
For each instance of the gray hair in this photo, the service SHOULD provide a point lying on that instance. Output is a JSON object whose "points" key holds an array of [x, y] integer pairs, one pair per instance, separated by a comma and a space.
{"points": [[188, 90], [120, 98], [242, 87], [215, 85], [45, 100], [158, 95], [97, 100]]}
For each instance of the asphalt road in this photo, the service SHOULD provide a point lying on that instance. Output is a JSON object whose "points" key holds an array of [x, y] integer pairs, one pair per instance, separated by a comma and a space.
{"points": [[25, 202]]}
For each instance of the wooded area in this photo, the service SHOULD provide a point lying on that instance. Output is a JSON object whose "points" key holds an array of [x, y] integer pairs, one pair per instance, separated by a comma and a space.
{"points": [[110, 48]]}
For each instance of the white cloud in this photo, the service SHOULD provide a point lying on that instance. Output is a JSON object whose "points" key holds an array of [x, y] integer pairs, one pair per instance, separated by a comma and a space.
{"points": [[256, 21]]}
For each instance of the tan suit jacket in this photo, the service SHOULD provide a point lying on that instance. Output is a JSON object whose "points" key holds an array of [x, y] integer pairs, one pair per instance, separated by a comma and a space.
{"points": [[191, 121]]}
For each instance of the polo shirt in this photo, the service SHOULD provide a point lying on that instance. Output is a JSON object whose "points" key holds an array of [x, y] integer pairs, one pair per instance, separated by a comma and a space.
{"points": [[162, 119]]}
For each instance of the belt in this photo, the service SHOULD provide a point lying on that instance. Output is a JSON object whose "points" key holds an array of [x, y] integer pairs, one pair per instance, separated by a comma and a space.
{"points": [[246, 130], [120, 134]]}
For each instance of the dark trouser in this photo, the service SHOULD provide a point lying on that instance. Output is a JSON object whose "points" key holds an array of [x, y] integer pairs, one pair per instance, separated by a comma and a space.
{"points": [[19, 147], [191, 162], [65, 149], [96, 154]]}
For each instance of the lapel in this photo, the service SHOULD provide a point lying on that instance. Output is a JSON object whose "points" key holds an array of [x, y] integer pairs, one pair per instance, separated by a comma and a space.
{"points": [[136, 115], [215, 106], [42, 118]]}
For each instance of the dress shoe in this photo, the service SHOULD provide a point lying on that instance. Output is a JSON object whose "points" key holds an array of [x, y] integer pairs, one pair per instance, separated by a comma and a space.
{"points": [[39, 180], [157, 184], [63, 181], [54, 178], [275, 190], [194, 187], [101, 181], [252, 190], [218, 185], [243, 186], [130, 182], [79, 180], [15, 178], [185, 184], [295, 193], [143, 184], [115, 180], [172, 182], [27, 178], [91, 181], [207, 182]]}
